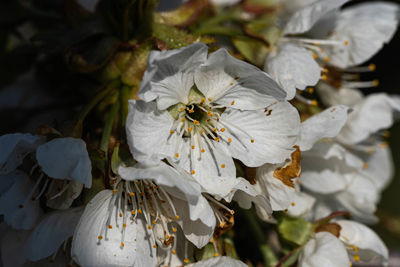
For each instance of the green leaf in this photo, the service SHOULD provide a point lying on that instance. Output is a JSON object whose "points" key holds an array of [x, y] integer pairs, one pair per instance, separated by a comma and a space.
{"points": [[172, 37], [295, 230], [253, 50]]}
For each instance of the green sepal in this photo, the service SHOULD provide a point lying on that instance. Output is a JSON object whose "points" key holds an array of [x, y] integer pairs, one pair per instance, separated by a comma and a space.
{"points": [[185, 15], [121, 157], [169, 37], [295, 230], [253, 50]]}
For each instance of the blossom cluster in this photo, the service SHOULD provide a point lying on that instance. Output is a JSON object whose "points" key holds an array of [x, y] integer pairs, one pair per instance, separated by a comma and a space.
{"points": [[209, 129]]}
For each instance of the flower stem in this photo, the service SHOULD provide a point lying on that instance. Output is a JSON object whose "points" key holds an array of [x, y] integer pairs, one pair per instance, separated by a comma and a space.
{"points": [[108, 126], [268, 254]]}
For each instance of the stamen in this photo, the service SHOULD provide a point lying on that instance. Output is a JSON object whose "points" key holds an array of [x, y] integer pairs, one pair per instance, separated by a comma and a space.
{"points": [[219, 204]]}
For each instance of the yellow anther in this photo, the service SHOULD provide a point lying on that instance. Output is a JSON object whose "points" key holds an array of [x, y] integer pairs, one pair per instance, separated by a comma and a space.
{"points": [[325, 70], [192, 172], [132, 194], [356, 258], [139, 210], [122, 244], [233, 102], [171, 132], [229, 140], [182, 109], [211, 240], [222, 129], [375, 82], [201, 130], [311, 90], [133, 212], [154, 222], [222, 166], [196, 122], [166, 236], [173, 251], [327, 59], [314, 102], [176, 217], [372, 67], [183, 120], [315, 56], [215, 130], [149, 226], [124, 225], [292, 204], [215, 254], [365, 165], [154, 246], [232, 212], [100, 237], [346, 42], [203, 100], [193, 147], [174, 229], [216, 139], [120, 214], [186, 260], [202, 150], [176, 155], [109, 226], [114, 191], [189, 129], [252, 140], [286, 210], [210, 99], [191, 110], [324, 77], [384, 145]]}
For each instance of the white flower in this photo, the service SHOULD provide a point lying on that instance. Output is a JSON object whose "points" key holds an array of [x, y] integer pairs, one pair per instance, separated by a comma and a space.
{"points": [[203, 112], [219, 262], [354, 240], [124, 226], [341, 38]]}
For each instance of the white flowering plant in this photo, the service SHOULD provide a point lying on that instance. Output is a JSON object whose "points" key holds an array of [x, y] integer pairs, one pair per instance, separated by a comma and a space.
{"points": [[194, 133]]}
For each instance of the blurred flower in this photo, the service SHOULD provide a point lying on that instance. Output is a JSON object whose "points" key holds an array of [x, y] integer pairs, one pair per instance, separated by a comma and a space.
{"points": [[219, 262]]}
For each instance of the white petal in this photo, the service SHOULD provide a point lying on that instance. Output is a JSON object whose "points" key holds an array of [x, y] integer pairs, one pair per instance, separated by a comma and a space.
{"points": [[274, 133], [64, 201], [27, 216], [303, 204], [328, 168], [219, 262], [88, 251], [366, 27], [197, 221], [13, 248], [369, 116], [324, 250], [185, 187], [14, 148], [293, 67], [169, 74], [369, 243], [225, 79], [360, 198], [66, 158], [280, 195], [225, 2], [322, 125], [305, 18], [51, 232], [147, 131], [332, 96]]}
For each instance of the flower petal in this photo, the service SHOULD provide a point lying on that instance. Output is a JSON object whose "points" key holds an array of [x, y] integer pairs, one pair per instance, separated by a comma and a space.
{"points": [[324, 250], [322, 125], [88, 250], [64, 201], [51, 232], [332, 96], [303, 204], [147, 131], [14, 148], [219, 262], [305, 18], [262, 136], [293, 67], [366, 28], [369, 243], [169, 74], [369, 116], [66, 158], [20, 212], [235, 83]]}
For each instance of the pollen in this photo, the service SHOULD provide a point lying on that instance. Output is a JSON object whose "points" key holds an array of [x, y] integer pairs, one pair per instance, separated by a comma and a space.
{"points": [[202, 150], [176, 217], [181, 109], [327, 59], [193, 147], [211, 240], [384, 145], [186, 260], [215, 130], [114, 191], [324, 77], [154, 246], [311, 90], [149, 227], [233, 102], [196, 122], [110, 226], [216, 254], [252, 140], [201, 130], [100, 237], [174, 251], [375, 82], [203, 100], [292, 204], [192, 172], [229, 140], [315, 56], [222, 129], [171, 132], [222, 166], [210, 99], [189, 129], [120, 214], [356, 258], [133, 212], [216, 139], [183, 120], [139, 210], [176, 155], [124, 225], [314, 102], [122, 244], [346, 42], [372, 67], [132, 194], [174, 229], [365, 165]]}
